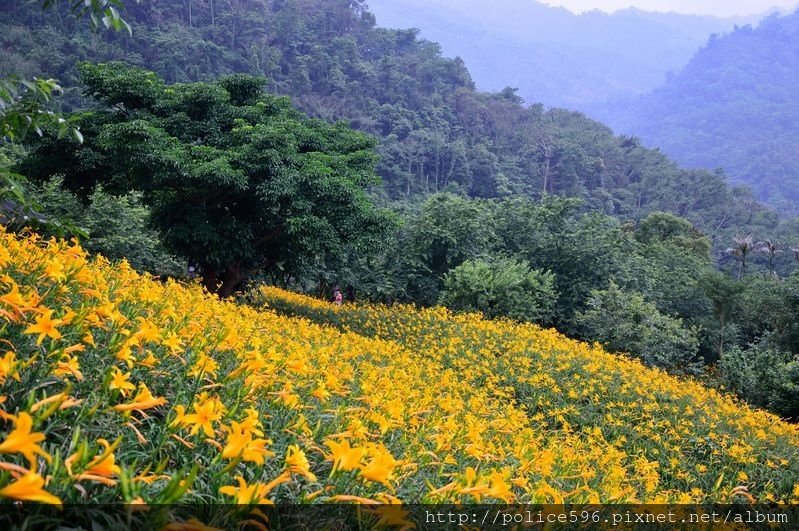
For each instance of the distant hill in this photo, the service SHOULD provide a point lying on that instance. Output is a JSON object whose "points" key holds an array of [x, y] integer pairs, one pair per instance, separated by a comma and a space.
{"points": [[734, 106], [552, 55]]}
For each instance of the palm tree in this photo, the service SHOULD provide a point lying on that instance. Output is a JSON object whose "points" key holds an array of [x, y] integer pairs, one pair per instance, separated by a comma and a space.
{"points": [[771, 249], [743, 246]]}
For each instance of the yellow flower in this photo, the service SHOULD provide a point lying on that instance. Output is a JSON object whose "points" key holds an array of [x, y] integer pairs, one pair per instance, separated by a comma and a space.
{"points": [[69, 365], [88, 338], [16, 301], [343, 456], [143, 400], [208, 410], [297, 462], [255, 493], [499, 488], [173, 342], [149, 361], [45, 326], [101, 469], [241, 444], [8, 367], [380, 468], [180, 417], [21, 440], [204, 366], [392, 515], [29, 488], [120, 381]]}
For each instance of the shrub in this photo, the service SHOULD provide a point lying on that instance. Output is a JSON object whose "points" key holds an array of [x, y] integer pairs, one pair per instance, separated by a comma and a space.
{"points": [[627, 322], [501, 288]]}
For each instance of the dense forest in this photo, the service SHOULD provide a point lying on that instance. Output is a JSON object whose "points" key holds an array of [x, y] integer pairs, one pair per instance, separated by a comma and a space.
{"points": [[733, 106], [436, 131], [483, 204]]}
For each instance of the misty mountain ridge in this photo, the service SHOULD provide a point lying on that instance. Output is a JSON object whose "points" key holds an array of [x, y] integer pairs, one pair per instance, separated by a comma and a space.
{"points": [[554, 56], [734, 106]]}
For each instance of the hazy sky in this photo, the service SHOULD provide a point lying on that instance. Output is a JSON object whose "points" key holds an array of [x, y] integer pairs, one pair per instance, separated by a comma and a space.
{"points": [[702, 7]]}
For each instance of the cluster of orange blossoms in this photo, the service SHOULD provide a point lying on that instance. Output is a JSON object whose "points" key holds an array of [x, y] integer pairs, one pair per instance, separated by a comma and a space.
{"points": [[119, 388]]}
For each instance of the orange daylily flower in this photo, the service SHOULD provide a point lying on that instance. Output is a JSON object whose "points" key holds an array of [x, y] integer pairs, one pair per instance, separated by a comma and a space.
{"points": [[207, 411], [241, 444], [255, 493], [343, 456], [297, 462], [45, 326], [119, 380], [69, 365], [23, 441], [8, 367], [144, 399], [380, 468], [101, 469], [29, 488]]}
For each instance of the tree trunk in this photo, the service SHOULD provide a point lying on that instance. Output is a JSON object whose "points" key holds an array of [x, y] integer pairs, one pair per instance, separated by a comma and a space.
{"points": [[223, 284]]}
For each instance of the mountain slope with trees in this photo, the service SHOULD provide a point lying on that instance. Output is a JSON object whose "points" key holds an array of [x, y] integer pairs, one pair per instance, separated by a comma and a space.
{"points": [[435, 131], [734, 106], [553, 55]]}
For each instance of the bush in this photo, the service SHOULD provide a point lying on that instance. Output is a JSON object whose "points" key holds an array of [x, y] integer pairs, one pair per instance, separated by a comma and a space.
{"points": [[763, 376], [501, 288], [117, 226], [626, 322]]}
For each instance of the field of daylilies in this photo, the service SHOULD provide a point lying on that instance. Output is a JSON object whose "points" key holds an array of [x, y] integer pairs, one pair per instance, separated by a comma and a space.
{"points": [[118, 388]]}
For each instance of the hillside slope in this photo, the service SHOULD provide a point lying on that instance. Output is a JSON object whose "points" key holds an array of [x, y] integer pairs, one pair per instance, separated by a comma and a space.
{"points": [[120, 388], [733, 106]]}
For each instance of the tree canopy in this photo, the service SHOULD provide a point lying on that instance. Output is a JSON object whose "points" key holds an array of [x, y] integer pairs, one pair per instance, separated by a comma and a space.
{"points": [[237, 181]]}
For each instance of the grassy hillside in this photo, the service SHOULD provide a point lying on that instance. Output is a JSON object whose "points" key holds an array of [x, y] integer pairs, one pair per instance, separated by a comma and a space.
{"points": [[120, 388]]}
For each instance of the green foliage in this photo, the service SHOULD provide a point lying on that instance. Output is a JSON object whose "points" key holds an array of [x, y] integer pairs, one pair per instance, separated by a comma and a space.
{"points": [[763, 376], [237, 188], [452, 229], [666, 228], [115, 226], [118, 229], [103, 12], [724, 294], [22, 109], [626, 322], [585, 251], [500, 288]]}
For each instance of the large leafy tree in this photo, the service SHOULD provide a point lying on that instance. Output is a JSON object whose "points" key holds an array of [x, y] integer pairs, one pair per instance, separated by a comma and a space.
{"points": [[237, 180]]}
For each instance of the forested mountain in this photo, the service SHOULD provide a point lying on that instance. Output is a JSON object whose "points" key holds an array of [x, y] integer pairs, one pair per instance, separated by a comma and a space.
{"points": [[552, 55], [735, 106], [436, 131]]}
